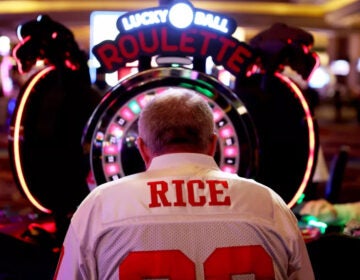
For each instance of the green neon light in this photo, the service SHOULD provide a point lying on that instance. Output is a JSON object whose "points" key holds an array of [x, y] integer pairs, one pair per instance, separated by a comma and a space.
{"points": [[301, 198], [314, 222], [199, 89], [134, 106]]}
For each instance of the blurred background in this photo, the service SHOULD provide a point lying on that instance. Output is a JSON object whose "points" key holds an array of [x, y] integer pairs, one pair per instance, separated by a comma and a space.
{"points": [[334, 86]]}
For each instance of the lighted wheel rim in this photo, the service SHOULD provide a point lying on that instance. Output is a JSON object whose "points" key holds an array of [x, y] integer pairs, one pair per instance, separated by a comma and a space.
{"points": [[112, 130]]}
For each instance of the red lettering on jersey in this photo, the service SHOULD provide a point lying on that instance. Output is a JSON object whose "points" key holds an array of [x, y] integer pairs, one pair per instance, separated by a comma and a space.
{"points": [[179, 192], [222, 263], [195, 190], [158, 193], [216, 189]]}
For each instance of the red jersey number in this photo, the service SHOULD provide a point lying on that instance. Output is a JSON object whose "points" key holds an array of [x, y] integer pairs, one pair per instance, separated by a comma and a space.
{"points": [[221, 264]]}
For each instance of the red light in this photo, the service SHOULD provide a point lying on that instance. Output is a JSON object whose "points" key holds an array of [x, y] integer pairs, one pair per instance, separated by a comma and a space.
{"points": [[218, 114], [127, 114], [111, 169], [226, 132], [111, 149], [116, 131], [230, 151], [229, 169]]}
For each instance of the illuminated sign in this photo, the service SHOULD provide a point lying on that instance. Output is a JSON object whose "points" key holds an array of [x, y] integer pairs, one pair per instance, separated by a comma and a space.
{"points": [[175, 30], [180, 15]]}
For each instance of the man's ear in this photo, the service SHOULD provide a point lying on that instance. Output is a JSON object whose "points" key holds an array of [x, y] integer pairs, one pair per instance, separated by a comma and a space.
{"points": [[144, 151], [212, 145]]}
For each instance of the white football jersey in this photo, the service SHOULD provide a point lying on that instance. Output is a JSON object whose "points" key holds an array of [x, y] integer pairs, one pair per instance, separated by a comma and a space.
{"points": [[183, 219]]}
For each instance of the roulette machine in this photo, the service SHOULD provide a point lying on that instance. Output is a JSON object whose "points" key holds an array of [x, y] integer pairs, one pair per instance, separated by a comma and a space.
{"points": [[266, 128]]}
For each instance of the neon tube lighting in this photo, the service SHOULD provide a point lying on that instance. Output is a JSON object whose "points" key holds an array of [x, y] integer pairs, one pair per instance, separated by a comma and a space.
{"points": [[17, 129], [311, 130]]}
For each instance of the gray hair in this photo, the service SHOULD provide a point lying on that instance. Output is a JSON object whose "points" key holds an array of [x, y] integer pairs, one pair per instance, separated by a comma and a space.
{"points": [[176, 119]]}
